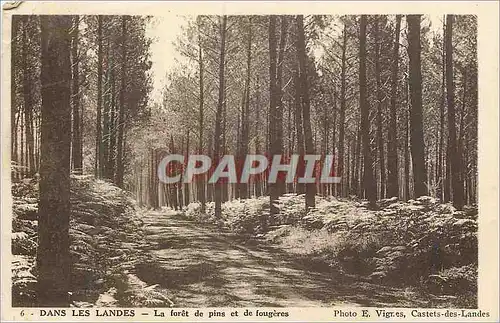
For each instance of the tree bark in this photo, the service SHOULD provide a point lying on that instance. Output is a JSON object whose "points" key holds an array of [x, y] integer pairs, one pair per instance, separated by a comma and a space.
{"points": [[218, 115], [440, 167], [28, 101], [279, 93], [111, 161], [76, 138], [14, 109], [200, 183], [243, 187], [454, 156], [380, 98], [121, 115], [274, 148], [416, 124], [340, 166], [392, 147], [306, 106], [98, 144], [53, 258], [407, 193], [369, 185], [186, 185], [299, 129]]}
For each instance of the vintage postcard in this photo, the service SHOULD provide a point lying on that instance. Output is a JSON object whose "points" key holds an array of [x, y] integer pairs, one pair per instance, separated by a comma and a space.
{"points": [[250, 161]]}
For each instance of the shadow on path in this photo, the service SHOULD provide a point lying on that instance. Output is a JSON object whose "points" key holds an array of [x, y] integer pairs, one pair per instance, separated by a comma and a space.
{"points": [[203, 266]]}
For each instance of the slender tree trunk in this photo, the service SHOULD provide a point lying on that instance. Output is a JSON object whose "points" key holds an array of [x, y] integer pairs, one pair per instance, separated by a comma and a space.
{"points": [[28, 101], [186, 186], [279, 95], [14, 111], [454, 156], [98, 146], [416, 124], [369, 185], [440, 168], [108, 100], [380, 98], [224, 182], [153, 194], [333, 187], [306, 118], [201, 180], [53, 258], [299, 129], [178, 185], [21, 139], [218, 115], [121, 115], [257, 178], [243, 187], [111, 161], [274, 147], [340, 166], [392, 147], [76, 144], [357, 163], [407, 192]]}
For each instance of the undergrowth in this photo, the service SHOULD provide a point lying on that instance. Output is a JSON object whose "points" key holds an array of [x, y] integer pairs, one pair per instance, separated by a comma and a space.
{"points": [[106, 243], [421, 242]]}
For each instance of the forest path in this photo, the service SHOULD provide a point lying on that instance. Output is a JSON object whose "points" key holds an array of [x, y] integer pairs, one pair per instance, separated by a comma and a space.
{"points": [[202, 266]]}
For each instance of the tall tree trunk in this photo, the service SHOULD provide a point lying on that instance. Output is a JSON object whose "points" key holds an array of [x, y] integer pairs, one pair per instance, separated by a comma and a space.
{"points": [[53, 258], [369, 185], [200, 183], [21, 139], [392, 146], [306, 106], [333, 187], [98, 143], [340, 166], [380, 98], [13, 94], [454, 157], [274, 147], [76, 138], [108, 99], [291, 139], [218, 115], [243, 187], [28, 101], [258, 177], [440, 166], [224, 183], [356, 163], [406, 151], [416, 124], [186, 186], [121, 115], [178, 185], [153, 194], [298, 128], [279, 94], [111, 161]]}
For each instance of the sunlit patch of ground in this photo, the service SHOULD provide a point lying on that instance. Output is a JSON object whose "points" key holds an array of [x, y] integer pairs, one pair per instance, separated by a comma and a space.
{"points": [[202, 266]]}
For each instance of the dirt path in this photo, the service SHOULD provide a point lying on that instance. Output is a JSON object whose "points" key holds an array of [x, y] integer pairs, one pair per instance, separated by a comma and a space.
{"points": [[204, 267]]}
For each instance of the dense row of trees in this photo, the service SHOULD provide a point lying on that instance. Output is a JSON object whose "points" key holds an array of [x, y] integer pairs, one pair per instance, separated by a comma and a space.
{"points": [[66, 117], [109, 87], [394, 98]]}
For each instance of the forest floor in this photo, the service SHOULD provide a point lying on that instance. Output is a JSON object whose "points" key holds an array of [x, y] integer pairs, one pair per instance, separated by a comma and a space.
{"points": [[202, 265], [419, 253]]}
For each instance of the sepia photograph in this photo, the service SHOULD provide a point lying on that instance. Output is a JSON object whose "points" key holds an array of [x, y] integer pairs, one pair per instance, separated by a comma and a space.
{"points": [[243, 160]]}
